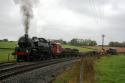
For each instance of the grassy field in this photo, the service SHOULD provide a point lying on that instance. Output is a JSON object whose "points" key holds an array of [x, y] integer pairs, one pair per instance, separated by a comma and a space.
{"points": [[111, 69], [5, 55], [81, 49]]}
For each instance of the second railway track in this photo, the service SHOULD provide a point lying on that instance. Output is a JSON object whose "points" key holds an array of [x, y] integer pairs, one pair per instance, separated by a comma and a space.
{"points": [[6, 64], [8, 72]]}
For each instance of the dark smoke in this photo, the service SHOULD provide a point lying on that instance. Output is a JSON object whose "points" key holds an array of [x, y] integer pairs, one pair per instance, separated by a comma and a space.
{"points": [[26, 8], [27, 12]]}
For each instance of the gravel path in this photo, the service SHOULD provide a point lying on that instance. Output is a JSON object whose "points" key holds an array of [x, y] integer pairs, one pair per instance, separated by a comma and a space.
{"points": [[41, 75]]}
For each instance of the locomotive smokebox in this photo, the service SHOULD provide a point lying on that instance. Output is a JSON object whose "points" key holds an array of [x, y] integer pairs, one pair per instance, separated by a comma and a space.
{"points": [[25, 41]]}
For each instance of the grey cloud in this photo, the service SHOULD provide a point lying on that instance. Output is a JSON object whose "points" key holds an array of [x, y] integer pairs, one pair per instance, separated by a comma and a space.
{"points": [[87, 7], [113, 26]]}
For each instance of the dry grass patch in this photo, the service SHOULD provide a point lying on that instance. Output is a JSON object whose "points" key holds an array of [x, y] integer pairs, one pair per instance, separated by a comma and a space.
{"points": [[88, 70], [71, 75]]}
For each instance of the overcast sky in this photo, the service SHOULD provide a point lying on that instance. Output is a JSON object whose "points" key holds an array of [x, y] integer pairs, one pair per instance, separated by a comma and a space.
{"points": [[66, 19]]}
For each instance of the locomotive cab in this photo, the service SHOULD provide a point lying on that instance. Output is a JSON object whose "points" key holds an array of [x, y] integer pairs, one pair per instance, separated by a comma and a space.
{"points": [[40, 49]]}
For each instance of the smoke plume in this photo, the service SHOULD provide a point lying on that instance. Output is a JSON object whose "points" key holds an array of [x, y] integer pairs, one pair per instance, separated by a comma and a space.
{"points": [[26, 7]]}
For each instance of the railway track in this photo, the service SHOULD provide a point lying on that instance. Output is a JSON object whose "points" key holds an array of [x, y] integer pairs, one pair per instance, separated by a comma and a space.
{"points": [[10, 71], [6, 64]]}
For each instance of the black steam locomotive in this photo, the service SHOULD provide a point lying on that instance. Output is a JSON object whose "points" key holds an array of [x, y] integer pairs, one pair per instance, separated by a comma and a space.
{"points": [[30, 49]]}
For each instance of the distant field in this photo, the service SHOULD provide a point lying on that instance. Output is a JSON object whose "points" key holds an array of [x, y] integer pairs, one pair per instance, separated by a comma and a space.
{"points": [[111, 69], [7, 44], [119, 49], [81, 49]]}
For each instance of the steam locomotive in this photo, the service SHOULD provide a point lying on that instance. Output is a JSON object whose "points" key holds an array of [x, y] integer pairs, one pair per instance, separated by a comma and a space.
{"points": [[35, 49]]}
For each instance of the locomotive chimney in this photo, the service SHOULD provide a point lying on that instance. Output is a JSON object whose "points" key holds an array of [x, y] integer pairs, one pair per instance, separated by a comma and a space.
{"points": [[26, 36]]}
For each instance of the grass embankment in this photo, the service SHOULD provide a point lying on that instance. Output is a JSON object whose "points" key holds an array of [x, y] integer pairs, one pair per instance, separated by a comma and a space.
{"points": [[71, 75], [111, 69], [81, 49], [6, 49]]}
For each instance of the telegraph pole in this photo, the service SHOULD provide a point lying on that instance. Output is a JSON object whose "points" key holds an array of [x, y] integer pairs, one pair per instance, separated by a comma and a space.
{"points": [[103, 36]]}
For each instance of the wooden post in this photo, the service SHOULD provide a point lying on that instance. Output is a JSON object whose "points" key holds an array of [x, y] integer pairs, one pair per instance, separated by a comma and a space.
{"points": [[8, 57]]}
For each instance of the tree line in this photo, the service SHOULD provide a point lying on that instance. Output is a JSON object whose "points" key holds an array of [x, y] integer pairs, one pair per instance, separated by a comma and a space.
{"points": [[89, 42], [4, 40], [83, 42], [117, 44]]}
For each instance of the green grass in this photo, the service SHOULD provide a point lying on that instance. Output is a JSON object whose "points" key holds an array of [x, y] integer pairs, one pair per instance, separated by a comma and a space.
{"points": [[6, 49], [7, 44], [5, 55], [81, 49], [111, 69]]}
